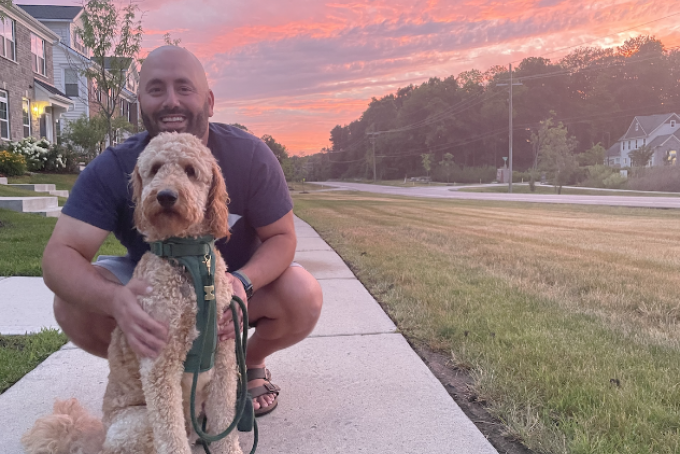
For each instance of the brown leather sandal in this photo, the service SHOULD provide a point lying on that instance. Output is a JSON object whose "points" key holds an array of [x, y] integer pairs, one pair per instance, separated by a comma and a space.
{"points": [[268, 388]]}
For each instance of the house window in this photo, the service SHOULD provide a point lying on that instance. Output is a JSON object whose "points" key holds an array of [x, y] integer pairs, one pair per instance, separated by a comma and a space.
{"points": [[672, 123], [78, 43], [636, 145], [637, 126], [71, 83], [38, 54], [7, 39], [4, 115], [26, 115]]}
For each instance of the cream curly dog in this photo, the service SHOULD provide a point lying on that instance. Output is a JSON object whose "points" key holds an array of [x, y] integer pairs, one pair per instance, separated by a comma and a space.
{"points": [[179, 192]]}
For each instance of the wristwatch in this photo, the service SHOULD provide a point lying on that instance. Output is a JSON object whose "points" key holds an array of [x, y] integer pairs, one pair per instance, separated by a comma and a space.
{"points": [[247, 285]]}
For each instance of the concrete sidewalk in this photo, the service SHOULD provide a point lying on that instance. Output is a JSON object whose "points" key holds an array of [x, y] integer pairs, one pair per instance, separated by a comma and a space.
{"points": [[354, 385]]}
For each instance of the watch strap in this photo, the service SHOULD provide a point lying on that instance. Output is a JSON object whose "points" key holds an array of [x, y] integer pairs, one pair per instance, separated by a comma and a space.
{"points": [[247, 284]]}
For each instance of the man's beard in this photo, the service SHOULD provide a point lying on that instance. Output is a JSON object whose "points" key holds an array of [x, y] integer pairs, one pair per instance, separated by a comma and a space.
{"points": [[196, 124]]}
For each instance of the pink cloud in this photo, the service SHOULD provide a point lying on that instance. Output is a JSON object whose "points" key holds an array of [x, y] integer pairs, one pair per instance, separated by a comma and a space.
{"points": [[296, 68]]}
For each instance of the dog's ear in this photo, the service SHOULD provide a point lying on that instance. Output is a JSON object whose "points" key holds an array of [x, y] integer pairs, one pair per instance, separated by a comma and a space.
{"points": [[217, 213], [137, 186]]}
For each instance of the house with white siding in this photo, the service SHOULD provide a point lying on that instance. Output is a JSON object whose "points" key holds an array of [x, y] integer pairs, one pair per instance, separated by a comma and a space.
{"points": [[660, 132], [69, 56]]}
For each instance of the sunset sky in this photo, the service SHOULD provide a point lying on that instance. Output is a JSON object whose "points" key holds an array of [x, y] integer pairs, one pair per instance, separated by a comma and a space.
{"points": [[296, 68]]}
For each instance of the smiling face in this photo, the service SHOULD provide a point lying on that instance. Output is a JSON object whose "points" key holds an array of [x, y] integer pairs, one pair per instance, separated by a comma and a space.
{"points": [[174, 93]]}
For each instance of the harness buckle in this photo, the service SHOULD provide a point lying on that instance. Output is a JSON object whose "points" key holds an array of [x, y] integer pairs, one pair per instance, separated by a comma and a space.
{"points": [[209, 292]]}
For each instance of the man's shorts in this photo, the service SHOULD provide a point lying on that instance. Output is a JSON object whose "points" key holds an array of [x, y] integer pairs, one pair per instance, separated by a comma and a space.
{"points": [[123, 267]]}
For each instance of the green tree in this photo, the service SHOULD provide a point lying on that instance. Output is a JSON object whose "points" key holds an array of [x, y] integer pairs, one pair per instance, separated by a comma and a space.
{"points": [[240, 126], [114, 37], [641, 156], [593, 156], [167, 39], [447, 166], [7, 4], [538, 140], [557, 155], [427, 162], [86, 134], [278, 149]]}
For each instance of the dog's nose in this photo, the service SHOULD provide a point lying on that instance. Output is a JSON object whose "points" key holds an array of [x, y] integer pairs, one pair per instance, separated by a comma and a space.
{"points": [[166, 197]]}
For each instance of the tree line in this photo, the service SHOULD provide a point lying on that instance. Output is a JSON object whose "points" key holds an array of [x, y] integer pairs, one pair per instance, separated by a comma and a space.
{"points": [[461, 122]]}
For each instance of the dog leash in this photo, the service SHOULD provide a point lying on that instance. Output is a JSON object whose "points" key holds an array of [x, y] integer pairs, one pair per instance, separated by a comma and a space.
{"points": [[197, 256]]}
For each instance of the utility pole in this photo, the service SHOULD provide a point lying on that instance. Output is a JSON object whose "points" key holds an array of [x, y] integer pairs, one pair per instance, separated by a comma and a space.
{"points": [[372, 136], [510, 115]]}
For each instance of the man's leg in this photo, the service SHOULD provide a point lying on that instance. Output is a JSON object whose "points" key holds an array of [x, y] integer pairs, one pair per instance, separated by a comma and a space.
{"points": [[88, 330], [285, 312]]}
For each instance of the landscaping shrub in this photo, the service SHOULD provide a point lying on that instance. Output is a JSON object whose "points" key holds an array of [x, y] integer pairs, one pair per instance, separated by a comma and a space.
{"points": [[12, 164], [665, 179], [601, 176], [43, 156]]}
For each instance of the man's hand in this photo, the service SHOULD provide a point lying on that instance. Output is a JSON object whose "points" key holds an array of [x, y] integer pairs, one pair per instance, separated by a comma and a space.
{"points": [[145, 335], [225, 328]]}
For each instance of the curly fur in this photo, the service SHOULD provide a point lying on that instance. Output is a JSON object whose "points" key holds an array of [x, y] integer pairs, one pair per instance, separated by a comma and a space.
{"points": [[146, 403]]}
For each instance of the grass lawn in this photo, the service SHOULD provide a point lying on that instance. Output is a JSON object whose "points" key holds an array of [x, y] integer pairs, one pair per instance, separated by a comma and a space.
{"points": [[21, 354], [566, 316], [60, 180], [23, 238], [520, 188]]}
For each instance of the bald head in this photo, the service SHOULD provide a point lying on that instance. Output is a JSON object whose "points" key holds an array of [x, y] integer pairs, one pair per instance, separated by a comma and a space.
{"points": [[174, 93], [174, 56]]}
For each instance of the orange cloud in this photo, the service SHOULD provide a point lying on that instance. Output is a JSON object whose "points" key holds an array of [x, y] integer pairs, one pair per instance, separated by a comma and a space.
{"points": [[295, 69]]}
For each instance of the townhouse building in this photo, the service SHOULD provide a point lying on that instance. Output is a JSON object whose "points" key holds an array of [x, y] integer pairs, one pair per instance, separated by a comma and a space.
{"points": [[30, 104]]}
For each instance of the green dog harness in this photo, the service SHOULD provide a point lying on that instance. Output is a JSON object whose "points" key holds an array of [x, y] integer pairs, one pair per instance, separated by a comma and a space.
{"points": [[198, 258]]}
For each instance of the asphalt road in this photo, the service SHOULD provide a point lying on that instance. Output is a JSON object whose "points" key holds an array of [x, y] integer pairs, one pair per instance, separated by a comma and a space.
{"points": [[447, 192]]}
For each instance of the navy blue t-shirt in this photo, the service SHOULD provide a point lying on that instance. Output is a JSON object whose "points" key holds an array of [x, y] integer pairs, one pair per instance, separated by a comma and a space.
{"points": [[102, 195]]}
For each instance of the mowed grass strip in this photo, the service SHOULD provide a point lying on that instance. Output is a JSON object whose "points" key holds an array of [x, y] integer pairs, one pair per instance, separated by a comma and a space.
{"points": [[21, 354], [60, 180], [523, 188], [566, 316], [23, 238]]}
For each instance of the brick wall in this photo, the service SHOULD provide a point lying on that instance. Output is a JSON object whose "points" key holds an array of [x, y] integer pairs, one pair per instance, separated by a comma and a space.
{"points": [[17, 79]]}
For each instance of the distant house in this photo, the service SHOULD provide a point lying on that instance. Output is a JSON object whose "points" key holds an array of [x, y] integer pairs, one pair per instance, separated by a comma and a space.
{"points": [[660, 132], [71, 57], [30, 103]]}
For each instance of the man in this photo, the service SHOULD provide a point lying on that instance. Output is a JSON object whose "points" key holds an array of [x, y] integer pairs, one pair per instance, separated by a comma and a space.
{"points": [[284, 301]]}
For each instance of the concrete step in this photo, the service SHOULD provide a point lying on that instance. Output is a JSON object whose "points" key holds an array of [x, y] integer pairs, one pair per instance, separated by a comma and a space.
{"points": [[47, 206], [35, 187], [49, 188], [3, 180], [50, 213]]}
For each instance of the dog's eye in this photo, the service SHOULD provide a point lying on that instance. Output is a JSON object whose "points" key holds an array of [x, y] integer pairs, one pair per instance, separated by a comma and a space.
{"points": [[189, 170], [154, 169]]}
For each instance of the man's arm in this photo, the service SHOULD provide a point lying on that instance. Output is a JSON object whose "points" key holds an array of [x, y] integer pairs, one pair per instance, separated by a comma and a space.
{"points": [[275, 254], [68, 272], [271, 259]]}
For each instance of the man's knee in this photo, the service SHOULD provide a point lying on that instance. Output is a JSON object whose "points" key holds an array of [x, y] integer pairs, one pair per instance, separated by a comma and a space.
{"points": [[294, 298], [302, 297], [88, 330]]}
